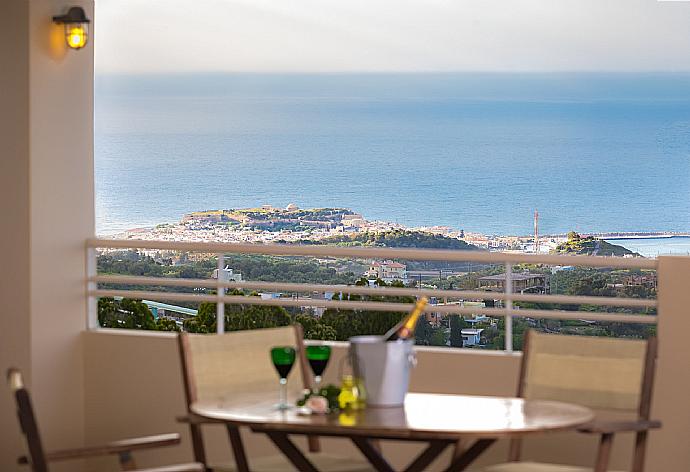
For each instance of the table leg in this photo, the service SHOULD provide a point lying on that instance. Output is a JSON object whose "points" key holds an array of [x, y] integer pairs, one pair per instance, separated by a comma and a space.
{"points": [[460, 463], [459, 448], [237, 448], [374, 456], [291, 451], [427, 456]]}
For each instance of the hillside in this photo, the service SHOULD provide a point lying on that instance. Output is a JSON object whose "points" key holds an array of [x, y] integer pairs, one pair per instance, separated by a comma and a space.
{"points": [[589, 245], [271, 219], [399, 238]]}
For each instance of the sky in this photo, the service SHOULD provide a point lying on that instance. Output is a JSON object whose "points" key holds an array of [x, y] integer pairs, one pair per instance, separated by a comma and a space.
{"points": [[348, 36]]}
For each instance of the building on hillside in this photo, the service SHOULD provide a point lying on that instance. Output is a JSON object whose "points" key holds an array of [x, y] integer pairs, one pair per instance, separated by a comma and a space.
{"points": [[525, 282], [442, 230], [292, 207], [317, 311], [478, 319], [471, 337], [194, 257], [477, 240], [644, 280], [209, 216], [388, 271], [435, 319], [354, 220], [227, 275], [167, 310]]}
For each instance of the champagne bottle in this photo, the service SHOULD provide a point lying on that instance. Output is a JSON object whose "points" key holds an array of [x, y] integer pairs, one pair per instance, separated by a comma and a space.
{"points": [[405, 329]]}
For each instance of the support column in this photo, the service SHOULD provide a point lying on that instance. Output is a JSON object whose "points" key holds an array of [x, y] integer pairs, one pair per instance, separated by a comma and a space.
{"points": [[15, 322], [47, 212], [667, 449]]}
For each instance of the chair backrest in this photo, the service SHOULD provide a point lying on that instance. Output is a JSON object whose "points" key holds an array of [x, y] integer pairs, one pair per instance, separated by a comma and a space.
{"points": [[218, 366], [601, 373], [27, 421], [238, 363]]}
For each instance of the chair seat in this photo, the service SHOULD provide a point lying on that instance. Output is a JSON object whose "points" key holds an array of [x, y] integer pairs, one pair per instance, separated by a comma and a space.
{"points": [[322, 461], [536, 467]]}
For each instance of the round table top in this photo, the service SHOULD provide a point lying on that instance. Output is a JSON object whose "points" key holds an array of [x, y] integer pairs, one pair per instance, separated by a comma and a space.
{"points": [[424, 416]]}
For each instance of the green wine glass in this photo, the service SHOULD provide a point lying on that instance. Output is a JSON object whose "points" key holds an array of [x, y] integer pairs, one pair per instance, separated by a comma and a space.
{"points": [[283, 358], [318, 357]]}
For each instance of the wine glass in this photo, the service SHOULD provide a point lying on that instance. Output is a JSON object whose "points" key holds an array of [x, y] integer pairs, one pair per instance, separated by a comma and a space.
{"points": [[283, 358], [318, 357]]}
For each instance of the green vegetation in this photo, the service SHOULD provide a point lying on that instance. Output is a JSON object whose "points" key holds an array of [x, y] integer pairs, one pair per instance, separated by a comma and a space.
{"points": [[252, 267], [315, 328], [237, 317], [589, 245], [311, 214], [591, 282], [348, 323], [457, 324], [568, 281], [272, 219], [340, 324], [333, 325], [398, 238], [405, 239], [292, 269], [130, 314]]}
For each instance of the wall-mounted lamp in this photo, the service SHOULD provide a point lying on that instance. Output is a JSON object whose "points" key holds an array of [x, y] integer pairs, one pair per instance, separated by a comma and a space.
{"points": [[76, 27]]}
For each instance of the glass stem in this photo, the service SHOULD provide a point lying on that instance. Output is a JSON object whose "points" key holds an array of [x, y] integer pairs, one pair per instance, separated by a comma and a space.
{"points": [[283, 393], [317, 383]]}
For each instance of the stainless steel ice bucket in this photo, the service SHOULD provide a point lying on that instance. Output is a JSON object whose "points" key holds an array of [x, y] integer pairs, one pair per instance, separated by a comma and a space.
{"points": [[384, 368]]}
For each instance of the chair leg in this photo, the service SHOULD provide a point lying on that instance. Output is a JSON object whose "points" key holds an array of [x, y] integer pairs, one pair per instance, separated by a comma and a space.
{"points": [[604, 452], [198, 444], [640, 449], [376, 444], [314, 443]]}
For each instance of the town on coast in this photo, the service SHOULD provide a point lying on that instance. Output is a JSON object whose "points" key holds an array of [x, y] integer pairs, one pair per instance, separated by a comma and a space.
{"points": [[294, 225], [268, 224]]}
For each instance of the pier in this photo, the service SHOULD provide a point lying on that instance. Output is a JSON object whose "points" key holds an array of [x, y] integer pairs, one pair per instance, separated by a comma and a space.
{"points": [[628, 235]]}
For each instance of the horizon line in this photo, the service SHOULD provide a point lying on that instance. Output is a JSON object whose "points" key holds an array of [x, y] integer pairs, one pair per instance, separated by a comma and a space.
{"points": [[682, 72]]}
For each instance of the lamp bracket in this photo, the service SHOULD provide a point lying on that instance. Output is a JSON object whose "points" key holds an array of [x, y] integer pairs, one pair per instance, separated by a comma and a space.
{"points": [[73, 15]]}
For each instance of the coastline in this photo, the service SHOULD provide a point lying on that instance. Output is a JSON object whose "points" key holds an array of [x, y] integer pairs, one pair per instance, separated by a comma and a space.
{"points": [[268, 224]]}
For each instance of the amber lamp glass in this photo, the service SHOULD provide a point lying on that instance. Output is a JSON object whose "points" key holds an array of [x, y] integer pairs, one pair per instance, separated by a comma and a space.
{"points": [[76, 27], [76, 35]]}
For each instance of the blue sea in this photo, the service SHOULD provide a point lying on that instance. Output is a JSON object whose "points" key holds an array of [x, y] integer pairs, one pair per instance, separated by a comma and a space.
{"points": [[481, 152], [653, 247]]}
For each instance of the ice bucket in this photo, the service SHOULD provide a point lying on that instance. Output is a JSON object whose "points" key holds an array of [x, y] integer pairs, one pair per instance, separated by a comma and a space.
{"points": [[384, 368]]}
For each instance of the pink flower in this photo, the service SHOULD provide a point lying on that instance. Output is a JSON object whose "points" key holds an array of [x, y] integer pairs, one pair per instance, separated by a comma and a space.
{"points": [[317, 404]]}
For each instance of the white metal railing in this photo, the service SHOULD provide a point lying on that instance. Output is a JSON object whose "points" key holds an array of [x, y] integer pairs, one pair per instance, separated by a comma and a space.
{"points": [[508, 311]]}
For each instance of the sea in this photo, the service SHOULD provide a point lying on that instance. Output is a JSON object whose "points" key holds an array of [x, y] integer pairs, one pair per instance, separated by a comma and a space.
{"points": [[654, 247], [592, 152]]}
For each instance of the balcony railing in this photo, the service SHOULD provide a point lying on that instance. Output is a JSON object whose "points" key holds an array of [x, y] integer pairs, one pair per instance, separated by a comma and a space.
{"points": [[508, 311]]}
